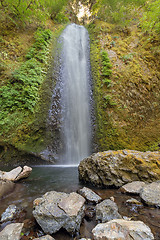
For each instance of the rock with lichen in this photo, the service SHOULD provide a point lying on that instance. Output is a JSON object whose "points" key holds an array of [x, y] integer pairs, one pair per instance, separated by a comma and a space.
{"points": [[116, 168]]}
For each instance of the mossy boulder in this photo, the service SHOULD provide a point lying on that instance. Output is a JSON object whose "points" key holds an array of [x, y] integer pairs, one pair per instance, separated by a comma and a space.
{"points": [[116, 168]]}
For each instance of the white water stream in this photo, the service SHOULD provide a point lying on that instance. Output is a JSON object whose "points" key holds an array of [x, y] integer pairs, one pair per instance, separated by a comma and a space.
{"points": [[75, 94]]}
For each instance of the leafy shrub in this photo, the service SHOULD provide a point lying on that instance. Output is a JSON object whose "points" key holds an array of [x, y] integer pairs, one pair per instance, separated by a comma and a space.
{"points": [[22, 91], [106, 68]]}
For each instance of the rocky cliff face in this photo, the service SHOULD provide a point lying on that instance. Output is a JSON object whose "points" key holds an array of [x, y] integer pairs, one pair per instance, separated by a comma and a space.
{"points": [[127, 100], [115, 168]]}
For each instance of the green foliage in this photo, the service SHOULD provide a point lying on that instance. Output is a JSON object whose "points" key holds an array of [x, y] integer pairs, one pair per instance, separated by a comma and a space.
{"points": [[106, 68], [31, 11], [150, 20], [108, 101], [117, 11], [21, 94], [61, 18]]}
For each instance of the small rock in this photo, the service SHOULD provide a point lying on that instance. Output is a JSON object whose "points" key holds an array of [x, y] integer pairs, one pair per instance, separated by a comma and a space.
{"points": [[9, 213], [107, 210], [85, 239], [133, 187], [151, 194], [133, 201], [90, 195], [24, 174], [11, 232], [120, 229], [6, 187], [46, 237]]}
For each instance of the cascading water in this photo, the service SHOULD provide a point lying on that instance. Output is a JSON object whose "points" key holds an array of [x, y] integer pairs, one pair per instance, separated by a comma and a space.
{"points": [[75, 94]]}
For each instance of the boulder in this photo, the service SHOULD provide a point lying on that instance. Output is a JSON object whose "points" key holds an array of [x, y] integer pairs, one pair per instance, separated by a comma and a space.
{"points": [[11, 231], [55, 210], [150, 194], [116, 168], [16, 174], [133, 187], [24, 174], [46, 237], [106, 211], [11, 176], [6, 187], [90, 195], [9, 213], [120, 229]]}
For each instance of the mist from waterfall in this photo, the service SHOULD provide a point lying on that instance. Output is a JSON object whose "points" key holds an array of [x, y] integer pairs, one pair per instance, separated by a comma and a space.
{"points": [[75, 94]]}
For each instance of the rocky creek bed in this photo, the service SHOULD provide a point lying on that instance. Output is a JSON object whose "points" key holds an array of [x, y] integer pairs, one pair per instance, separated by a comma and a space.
{"points": [[60, 179]]}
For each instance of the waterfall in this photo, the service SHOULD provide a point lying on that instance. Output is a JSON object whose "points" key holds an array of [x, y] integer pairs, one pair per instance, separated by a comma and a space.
{"points": [[75, 94]]}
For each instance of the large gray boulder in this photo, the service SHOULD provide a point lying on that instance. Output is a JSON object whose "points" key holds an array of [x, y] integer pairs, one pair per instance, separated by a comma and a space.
{"points": [[116, 168], [16, 174], [120, 229], [6, 187], [150, 194], [90, 195], [55, 210], [106, 211], [12, 231]]}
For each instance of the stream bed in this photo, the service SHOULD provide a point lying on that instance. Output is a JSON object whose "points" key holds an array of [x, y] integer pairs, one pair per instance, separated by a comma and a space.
{"points": [[65, 179]]}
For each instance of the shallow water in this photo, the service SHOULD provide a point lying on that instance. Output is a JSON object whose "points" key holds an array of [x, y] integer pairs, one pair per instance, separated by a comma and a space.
{"points": [[65, 179]]}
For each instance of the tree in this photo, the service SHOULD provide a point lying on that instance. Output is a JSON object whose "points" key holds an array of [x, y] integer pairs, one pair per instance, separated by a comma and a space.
{"points": [[150, 20]]}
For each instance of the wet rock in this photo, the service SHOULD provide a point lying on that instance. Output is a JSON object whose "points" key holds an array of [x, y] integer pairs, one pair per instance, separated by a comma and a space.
{"points": [[11, 176], [16, 174], [133, 187], [90, 195], [6, 187], [9, 213], [106, 211], [11, 231], [90, 212], [56, 210], [46, 237], [24, 174], [116, 168], [85, 239], [151, 194], [133, 201], [121, 229]]}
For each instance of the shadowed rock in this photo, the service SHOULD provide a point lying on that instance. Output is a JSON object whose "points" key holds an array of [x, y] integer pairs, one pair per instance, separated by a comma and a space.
{"points": [[6, 187], [106, 211], [116, 168]]}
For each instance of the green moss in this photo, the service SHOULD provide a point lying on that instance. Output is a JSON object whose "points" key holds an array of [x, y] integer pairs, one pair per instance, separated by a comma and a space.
{"points": [[27, 96]]}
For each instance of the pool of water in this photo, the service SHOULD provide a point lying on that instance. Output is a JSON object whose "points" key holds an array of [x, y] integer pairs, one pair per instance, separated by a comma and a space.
{"points": [[65, 179]]}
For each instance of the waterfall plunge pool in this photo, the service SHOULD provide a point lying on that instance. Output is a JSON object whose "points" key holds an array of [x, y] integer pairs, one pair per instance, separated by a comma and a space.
{"points": [[65, 179]]}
